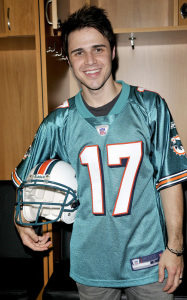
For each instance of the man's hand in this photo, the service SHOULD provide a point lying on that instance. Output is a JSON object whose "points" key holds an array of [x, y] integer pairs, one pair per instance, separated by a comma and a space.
{"points": [[31, 239], [172, 202], [174, 266]]}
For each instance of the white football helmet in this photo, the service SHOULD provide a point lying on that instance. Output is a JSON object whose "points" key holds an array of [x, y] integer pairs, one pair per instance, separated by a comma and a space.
{"points": [[50, 192]]}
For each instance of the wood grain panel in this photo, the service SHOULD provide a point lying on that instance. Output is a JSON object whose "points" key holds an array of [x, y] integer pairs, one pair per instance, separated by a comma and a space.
{"points": [[67, 7], [2, 17], [75, 5], [40, 39], [162, 69], [21, 16], [19, 105], [138, 13]]}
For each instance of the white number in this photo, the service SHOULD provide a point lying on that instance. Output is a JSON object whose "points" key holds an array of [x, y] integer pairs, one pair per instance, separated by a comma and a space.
{"points": [[132, 152], [90, 157]]}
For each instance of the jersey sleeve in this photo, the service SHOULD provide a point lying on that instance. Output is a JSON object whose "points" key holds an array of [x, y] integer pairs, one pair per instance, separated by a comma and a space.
{"points": [[44, 146], [167, 152]]}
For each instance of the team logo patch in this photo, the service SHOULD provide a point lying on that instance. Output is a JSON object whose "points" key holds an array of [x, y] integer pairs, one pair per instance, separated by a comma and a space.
{"points": [[29, 150], [27, 153], [173, 125], [145, 262], [176, 145], [102, 129]]}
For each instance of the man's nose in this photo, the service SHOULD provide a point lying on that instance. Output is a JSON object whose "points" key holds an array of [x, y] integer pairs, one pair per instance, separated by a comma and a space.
{"points": [[90, 59]]}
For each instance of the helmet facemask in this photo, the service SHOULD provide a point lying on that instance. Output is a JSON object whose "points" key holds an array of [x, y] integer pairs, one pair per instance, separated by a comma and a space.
{"points": [[39, 197]]}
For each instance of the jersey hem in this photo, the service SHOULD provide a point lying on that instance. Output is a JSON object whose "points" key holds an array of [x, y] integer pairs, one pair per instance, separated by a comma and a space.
{"points": [[115, 283]]}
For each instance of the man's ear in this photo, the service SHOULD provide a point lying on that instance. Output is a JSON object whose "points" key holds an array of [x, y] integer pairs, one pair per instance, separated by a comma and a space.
{"points": [[113, 52], [68, 62]]}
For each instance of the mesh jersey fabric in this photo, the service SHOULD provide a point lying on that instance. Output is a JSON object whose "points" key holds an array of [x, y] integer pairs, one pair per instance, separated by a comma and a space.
{"points": [[122, 161]]}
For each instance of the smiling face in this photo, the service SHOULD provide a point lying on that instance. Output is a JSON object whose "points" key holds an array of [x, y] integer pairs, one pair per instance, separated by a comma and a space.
{"points": [[91, 58]]}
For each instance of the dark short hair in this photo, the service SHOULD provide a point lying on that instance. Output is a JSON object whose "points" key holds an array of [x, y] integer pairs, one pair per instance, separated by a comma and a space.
{"points": [[87, 16]]}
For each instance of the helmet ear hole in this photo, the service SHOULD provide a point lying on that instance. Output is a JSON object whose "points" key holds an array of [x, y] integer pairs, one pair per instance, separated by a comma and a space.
{"points": [[51, 188], [68, 217]]}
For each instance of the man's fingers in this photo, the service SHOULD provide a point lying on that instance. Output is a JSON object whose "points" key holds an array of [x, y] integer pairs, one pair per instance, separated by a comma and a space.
{"points": [[40, 247], [161, 274], [173, 282], [169, 285], [27, 233], [43, 239], [173, 286], [174, 266], [181, 277], [32, 240]]}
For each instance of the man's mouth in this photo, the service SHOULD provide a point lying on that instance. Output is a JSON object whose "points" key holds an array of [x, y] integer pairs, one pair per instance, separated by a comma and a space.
{"points": [[92, 71]]}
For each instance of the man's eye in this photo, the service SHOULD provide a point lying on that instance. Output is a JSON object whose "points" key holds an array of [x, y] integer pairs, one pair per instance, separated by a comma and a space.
{"points": [[79, 53], [98, 50]]}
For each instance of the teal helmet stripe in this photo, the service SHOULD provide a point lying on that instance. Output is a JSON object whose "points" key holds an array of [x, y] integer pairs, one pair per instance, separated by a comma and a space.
{"points": [[51, 166], [37, 168]]}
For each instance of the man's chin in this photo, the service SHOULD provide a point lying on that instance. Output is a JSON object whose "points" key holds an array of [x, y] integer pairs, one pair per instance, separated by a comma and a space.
{"points": [[93, 86]]}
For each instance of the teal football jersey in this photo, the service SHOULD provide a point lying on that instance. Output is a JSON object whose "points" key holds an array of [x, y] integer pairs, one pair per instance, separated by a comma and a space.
{"points": [[122, 161]]}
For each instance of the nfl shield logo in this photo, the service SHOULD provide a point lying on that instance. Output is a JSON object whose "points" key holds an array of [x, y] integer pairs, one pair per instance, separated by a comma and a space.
{"points": [[136, 261], [102, 129]]}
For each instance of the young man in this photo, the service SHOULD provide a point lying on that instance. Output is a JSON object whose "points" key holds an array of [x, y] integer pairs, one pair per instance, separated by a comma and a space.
{"points": [[129, 162]]}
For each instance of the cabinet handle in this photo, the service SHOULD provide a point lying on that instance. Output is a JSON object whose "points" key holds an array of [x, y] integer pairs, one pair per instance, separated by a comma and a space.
{"points": [[46, 12], [56, 20], [183, 10], [8, 18]]}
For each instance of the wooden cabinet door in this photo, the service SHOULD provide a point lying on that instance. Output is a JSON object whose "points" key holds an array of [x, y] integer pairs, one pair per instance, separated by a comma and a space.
{"points": [[19, 18], [2, 18], [19, 118]]}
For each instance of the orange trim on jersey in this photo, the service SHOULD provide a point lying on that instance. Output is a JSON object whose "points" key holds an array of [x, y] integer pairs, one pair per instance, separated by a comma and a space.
{"points": [[176, 137], [15, 178], [44, 166], [141, 90], [65, 104], [171, 179]]}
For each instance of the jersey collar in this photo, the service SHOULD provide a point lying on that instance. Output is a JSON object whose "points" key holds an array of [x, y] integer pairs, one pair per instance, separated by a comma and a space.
{"points": [[119, 105]]}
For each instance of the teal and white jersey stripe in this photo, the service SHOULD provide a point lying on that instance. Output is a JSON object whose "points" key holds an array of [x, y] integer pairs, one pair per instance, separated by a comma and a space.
{"points": [[121, 160]]}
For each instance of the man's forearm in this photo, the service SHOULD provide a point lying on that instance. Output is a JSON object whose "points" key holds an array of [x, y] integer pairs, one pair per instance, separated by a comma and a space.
{"points": [[172, 201]]}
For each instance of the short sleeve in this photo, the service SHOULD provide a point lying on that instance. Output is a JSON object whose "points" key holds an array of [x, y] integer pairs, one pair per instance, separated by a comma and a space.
{"points": [[48, 143], [37, 152], [167, 152]]}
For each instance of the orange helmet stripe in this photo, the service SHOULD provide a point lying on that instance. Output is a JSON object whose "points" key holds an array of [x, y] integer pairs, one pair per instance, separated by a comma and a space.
{"points": [[44, 167]]}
